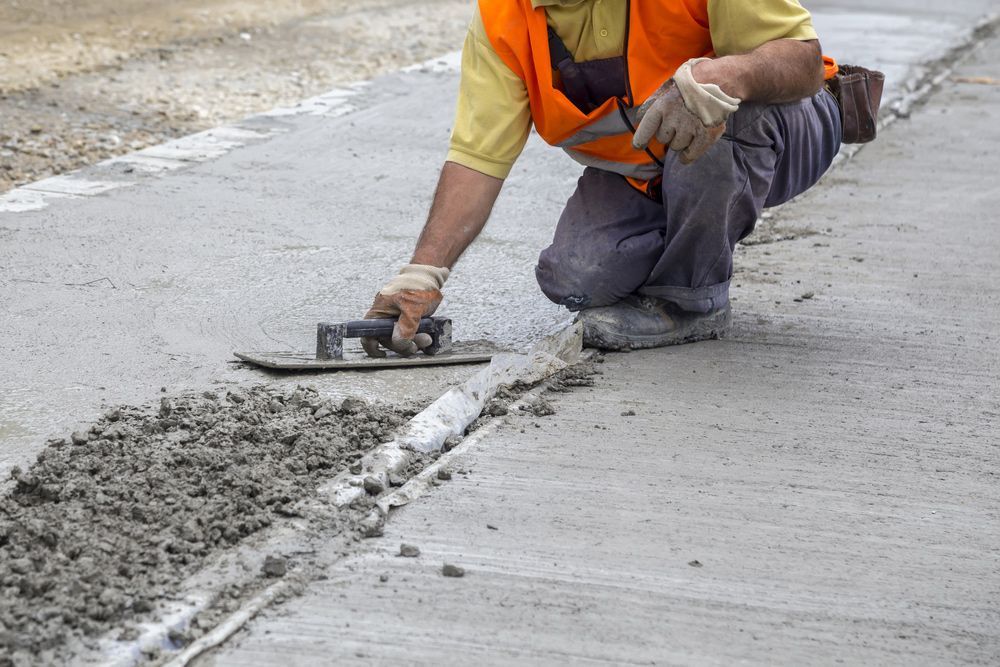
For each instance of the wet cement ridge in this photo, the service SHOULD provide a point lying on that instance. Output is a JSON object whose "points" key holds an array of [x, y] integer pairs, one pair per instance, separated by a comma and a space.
{"points": [[105, 526], [521, 400], [914, 93], [438, 428], [919, 88], [126, 538]]}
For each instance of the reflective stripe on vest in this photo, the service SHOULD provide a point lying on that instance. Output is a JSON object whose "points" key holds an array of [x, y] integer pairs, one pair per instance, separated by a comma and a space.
{"points": [[660, 36]]}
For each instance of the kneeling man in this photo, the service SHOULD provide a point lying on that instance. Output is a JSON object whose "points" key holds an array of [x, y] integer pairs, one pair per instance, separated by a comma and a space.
{"points": [[690, 116]]}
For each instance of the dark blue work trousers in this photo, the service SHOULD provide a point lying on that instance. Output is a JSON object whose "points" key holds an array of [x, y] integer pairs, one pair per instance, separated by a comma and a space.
{"points": [[612, 241]]}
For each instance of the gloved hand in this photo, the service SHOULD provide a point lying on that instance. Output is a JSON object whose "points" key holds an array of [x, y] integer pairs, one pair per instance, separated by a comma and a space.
{"points": [[413, 294], [684, 115]]}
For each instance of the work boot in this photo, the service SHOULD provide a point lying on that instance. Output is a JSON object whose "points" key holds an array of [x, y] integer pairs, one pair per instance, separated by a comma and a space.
{"points": [[639, 322]]}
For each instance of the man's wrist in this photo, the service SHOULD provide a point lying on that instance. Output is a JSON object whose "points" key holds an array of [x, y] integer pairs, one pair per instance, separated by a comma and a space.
{"points": [[418, 277], [724, 72]]}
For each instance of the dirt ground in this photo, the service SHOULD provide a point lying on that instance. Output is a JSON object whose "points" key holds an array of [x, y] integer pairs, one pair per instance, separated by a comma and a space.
{"points": [[84, 80]]}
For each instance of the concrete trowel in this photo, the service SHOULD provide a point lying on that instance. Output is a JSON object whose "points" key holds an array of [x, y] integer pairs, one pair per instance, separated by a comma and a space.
{"points": [[331, 354]]}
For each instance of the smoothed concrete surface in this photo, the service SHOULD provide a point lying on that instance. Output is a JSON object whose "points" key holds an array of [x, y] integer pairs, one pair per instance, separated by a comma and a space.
{"points": [[105, 299], [819, 488]]}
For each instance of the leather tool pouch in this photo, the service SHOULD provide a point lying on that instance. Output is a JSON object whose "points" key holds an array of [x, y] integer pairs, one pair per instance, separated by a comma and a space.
{"points": [[859, 93]]}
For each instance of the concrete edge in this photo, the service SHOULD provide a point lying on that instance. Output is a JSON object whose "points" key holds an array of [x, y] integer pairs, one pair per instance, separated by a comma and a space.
{"points": [[919, 87], [415, 487], [426, 432], [454, 411], [204, 146], [423, 482]]}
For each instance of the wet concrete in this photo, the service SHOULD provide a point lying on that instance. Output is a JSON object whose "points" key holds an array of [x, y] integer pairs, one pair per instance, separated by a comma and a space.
{"points": [[820, 487], [108, 298], [100, 532]]}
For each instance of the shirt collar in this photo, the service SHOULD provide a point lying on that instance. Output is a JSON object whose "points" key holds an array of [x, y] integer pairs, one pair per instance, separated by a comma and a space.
{"points": [[559, 3]]}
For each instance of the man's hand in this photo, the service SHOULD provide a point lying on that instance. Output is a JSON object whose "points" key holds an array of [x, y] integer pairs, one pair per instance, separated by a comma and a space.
{"points": [[413, 294], [684, 115], [461, 207]]}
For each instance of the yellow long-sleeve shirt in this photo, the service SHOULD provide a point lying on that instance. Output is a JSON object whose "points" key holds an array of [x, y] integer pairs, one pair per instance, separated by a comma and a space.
{"points": [[493, 118]]}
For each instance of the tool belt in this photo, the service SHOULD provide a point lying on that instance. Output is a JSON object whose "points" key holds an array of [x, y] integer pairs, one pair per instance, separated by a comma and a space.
{"points": [[859, 93]]}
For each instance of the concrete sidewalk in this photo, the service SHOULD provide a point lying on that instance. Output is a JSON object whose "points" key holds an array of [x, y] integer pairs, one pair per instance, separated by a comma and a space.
{"points": [[821, 487], [245, 237]]}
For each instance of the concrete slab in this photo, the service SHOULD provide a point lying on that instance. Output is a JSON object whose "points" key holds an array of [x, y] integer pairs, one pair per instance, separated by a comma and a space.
{"points": [[110, 297], [819, 488], [115, 296]]}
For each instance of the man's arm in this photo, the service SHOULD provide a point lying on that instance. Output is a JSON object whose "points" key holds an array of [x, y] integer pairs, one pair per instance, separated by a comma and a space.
{"points": [[462, 204], [784, 70]]}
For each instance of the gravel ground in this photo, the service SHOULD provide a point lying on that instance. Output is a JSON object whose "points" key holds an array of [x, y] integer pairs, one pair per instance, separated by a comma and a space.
{"points": [[84, 81]]}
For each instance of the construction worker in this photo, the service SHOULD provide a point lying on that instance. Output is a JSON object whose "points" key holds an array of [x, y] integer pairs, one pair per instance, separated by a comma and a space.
{"points": [[690, 117]]}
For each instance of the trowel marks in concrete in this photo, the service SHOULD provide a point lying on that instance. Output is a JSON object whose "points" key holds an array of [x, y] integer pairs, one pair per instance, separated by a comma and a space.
{"points": [[114, 518]]}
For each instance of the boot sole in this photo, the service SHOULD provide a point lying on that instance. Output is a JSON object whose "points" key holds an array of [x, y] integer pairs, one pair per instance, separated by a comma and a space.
{"points": [[707, 328]]}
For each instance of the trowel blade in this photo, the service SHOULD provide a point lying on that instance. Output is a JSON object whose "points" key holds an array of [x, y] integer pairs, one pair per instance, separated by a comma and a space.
{"points": [[303, 361]]}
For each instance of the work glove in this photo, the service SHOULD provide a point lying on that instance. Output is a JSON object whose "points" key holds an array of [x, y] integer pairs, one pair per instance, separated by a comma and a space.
{"points": [[685, 116], [413, 294]]}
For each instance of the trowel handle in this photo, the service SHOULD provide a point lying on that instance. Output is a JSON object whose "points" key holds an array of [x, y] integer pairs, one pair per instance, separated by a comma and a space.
{"points": [[330, 337], [381, 328]]}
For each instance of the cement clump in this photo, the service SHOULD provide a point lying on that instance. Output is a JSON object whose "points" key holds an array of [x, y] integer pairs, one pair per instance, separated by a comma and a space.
{"points": [[109, 521]]}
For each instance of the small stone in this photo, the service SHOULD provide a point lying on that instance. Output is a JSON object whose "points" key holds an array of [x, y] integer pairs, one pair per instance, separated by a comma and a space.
{"points": [[20, 566], [452, 570], [355, 468], [628, 413], [178, 637], [113, 415], [79, 438], [695, 563], [275, 566], [409, 550], [808, 295], [444, 475], [236, 397], [352, 405], [383, 578], [166, 407], [275, 405], [322, 412], [373, 485], [497, 409], [451, 442], [372, 525], [492, 527], [542, 408]]}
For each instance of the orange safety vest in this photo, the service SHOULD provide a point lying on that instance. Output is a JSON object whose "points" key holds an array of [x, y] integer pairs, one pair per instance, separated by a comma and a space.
{"points": [[660, 36]]}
